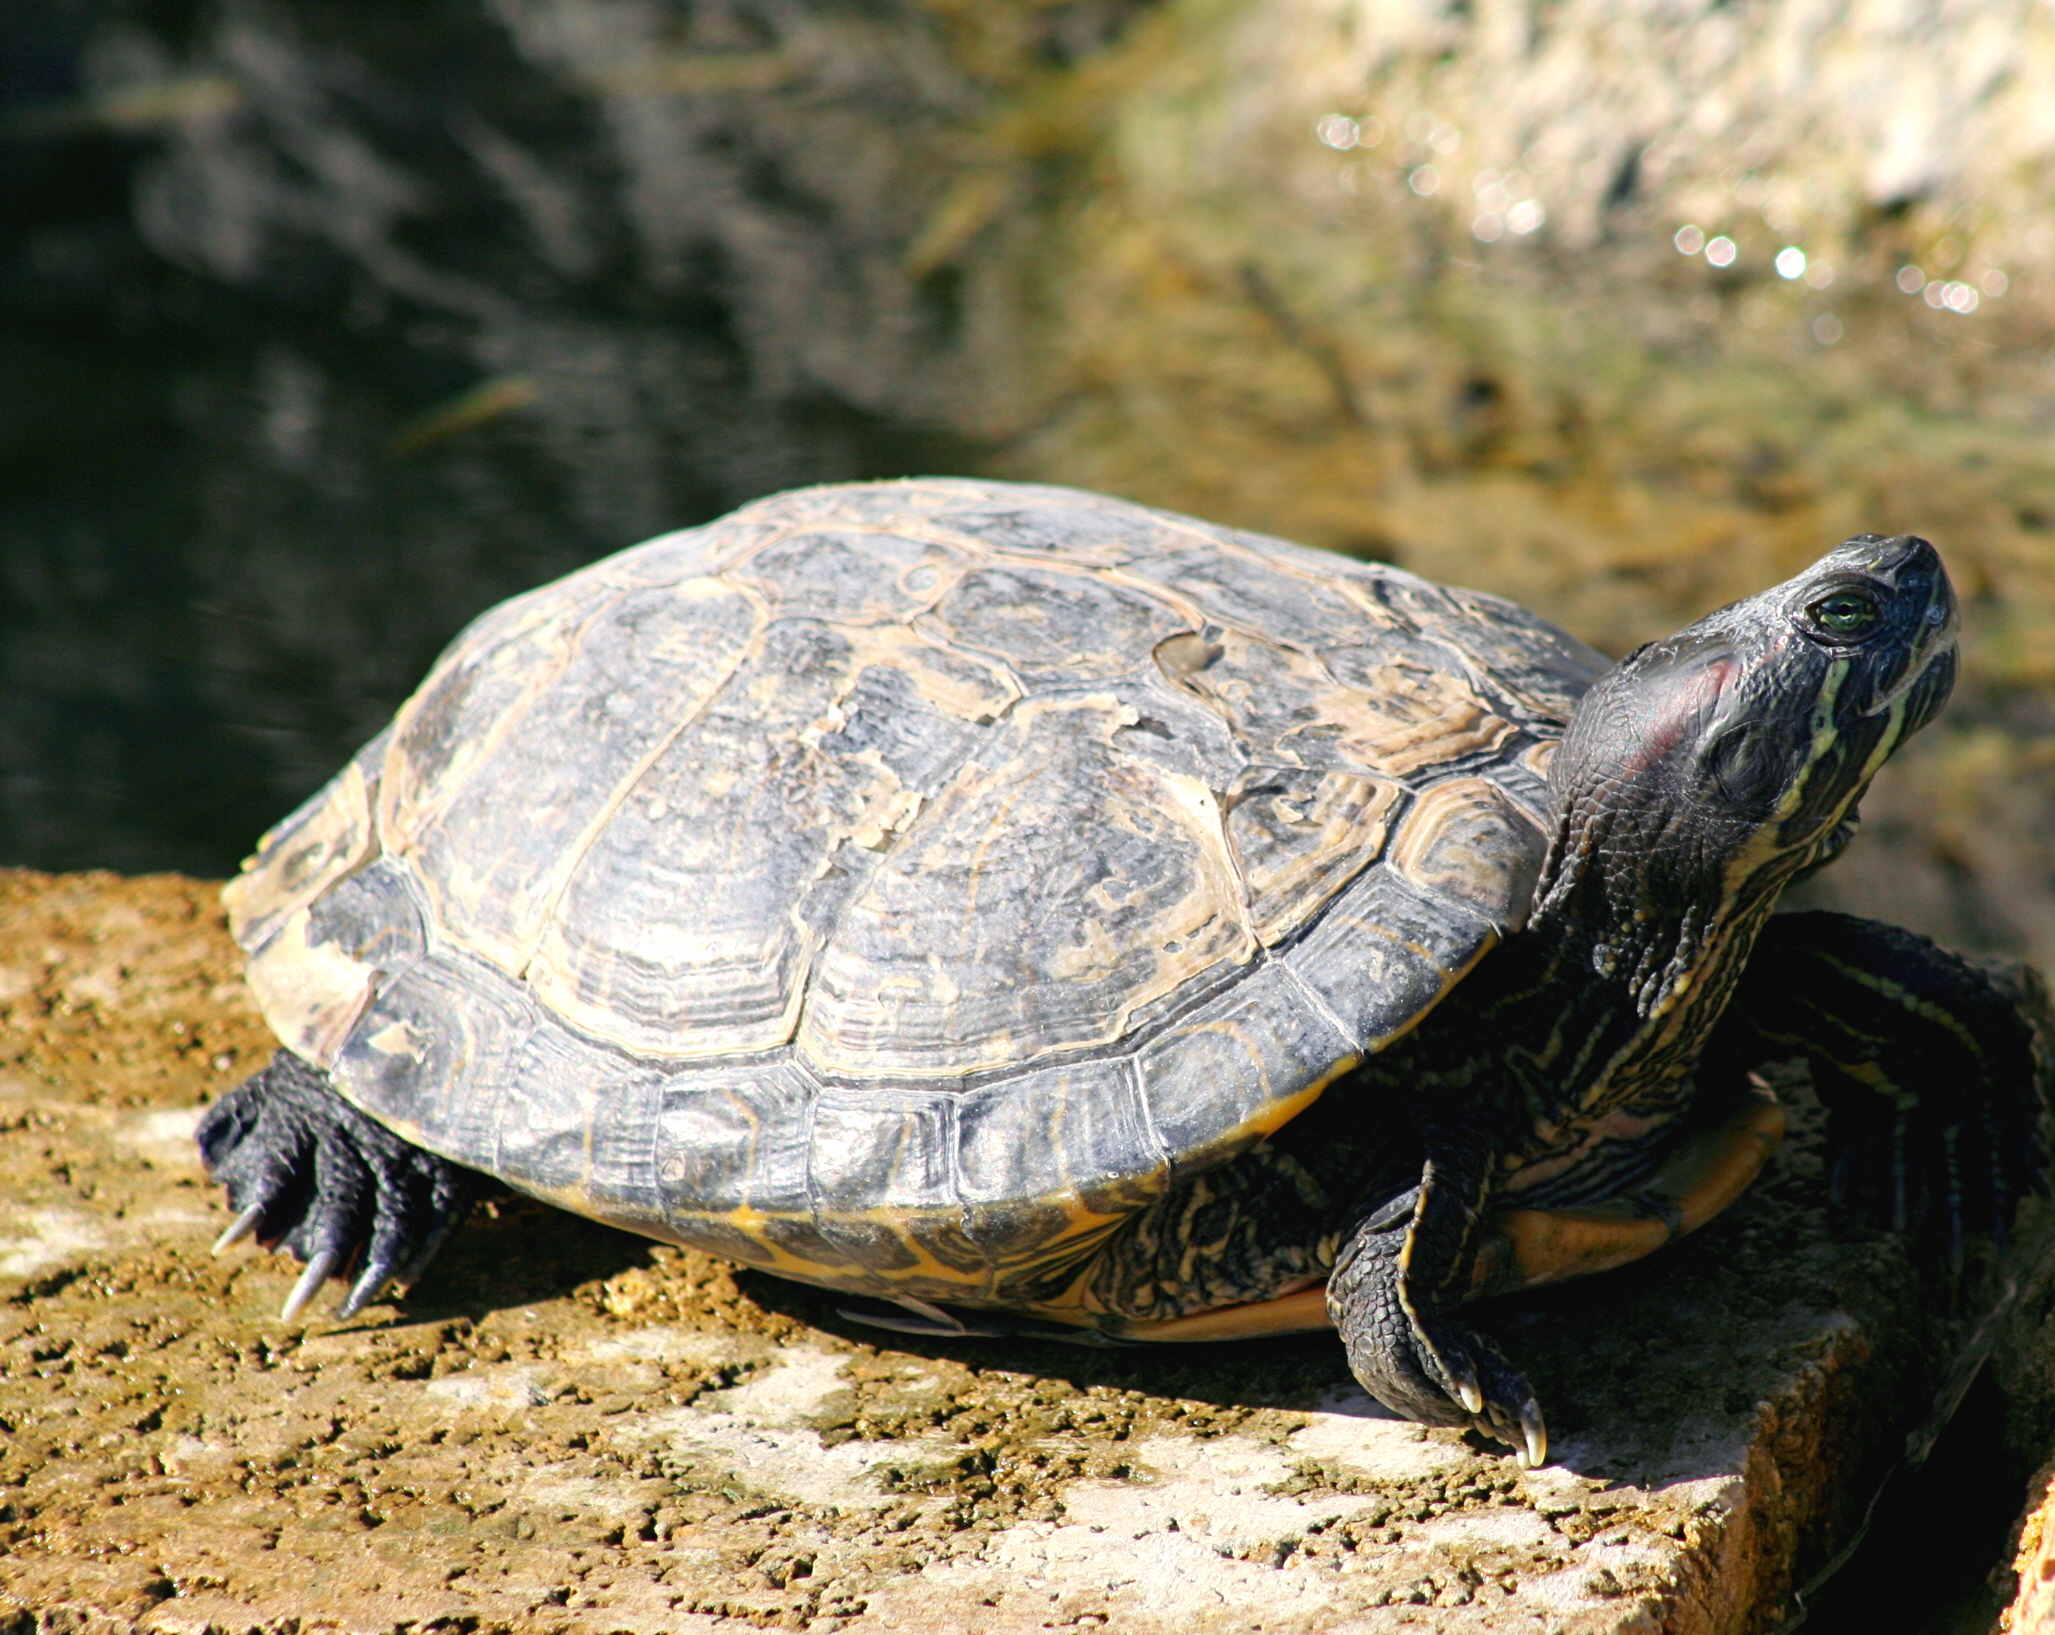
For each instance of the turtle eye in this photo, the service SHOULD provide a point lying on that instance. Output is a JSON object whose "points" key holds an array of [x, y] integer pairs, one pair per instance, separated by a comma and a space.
{"points": [[1845, 612]]}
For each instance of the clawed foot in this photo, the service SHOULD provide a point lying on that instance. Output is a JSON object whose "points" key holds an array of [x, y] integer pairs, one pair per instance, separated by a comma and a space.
{"points": [[1926, 1063], [1961, 1153], [308, 1173], [1915, 1172], [1431, 1368]]}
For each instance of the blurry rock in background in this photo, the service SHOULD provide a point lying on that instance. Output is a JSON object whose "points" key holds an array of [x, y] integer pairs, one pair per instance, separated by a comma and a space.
{"points": [[332, 325]]}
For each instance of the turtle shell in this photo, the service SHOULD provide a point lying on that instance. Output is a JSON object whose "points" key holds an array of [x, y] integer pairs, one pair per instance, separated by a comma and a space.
{"points": [[896, 885]]}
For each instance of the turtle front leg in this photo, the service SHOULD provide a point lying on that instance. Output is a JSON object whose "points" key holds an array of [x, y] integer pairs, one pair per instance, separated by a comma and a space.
{"points": [[309, 1173], [1925, 1066], [1396, 1283]]}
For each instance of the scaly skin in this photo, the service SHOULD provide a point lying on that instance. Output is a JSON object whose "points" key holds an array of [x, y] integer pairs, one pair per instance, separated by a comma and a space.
{"points": [[308, 1173], [1926, 1069], [1697, 779]]}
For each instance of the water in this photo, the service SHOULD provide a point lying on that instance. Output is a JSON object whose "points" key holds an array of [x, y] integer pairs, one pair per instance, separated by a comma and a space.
{"points": [[323, 329]]}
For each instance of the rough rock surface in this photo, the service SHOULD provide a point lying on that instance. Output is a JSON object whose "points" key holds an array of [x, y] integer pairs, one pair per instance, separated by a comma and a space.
{"points": [[563, 1428], [2033, 1606], [2023, 1364]]}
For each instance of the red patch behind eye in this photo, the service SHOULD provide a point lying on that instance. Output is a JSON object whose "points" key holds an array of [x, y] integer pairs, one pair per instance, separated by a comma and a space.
{"points": [[1678, 709]]}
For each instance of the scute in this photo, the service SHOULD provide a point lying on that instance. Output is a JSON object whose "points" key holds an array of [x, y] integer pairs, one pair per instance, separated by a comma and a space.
{"points": [[623, 683], [897, 885], [1467, 841], [1242, 1067], [1056, 624], [1299, 836], [1415, 712], [1384, 953], [693, 923], [849, 576], [1055, 886], [332, 834]]}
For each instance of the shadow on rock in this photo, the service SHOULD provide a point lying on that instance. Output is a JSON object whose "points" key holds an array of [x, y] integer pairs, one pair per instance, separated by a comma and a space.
{"points": [[515, 1252]]}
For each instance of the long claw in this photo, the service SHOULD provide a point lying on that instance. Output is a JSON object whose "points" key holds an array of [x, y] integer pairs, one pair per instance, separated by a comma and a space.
{"points": [[371, 1283], [361, 1294], [309, 1284], [453, 1217], [1461, 1368], [1534, 1432], [241, 1228]]}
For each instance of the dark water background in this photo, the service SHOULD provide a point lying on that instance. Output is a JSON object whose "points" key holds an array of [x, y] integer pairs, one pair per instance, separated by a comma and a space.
{"points": [[324, 327]]}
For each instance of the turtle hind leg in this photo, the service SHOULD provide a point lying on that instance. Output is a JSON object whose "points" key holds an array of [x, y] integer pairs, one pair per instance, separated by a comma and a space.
{"points": [[309, 1173], [1925, 1064], [1393, 1293]]}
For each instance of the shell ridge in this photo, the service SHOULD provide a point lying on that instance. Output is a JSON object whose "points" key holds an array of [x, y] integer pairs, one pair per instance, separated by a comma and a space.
{"points": [[814, 941], [627, 786], [1162, 595], [1481, 696], [807, 1146], [1132, 1067], [1188, 816], [922, 624], [392, 788], [1287, 556], [1213, 809], [1318, 1006]]}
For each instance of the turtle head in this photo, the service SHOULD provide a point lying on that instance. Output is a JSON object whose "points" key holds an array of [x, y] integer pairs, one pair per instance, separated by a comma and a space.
{"points": [[1705, 771]]}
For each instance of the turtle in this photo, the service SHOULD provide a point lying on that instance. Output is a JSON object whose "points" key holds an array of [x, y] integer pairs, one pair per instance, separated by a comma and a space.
{"points": [[1026, 911]]}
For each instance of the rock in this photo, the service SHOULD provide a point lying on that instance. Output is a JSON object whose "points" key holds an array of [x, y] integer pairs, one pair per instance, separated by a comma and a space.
{"points": [[564, 1428], [2032, 1611], [2023, 1364]]}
